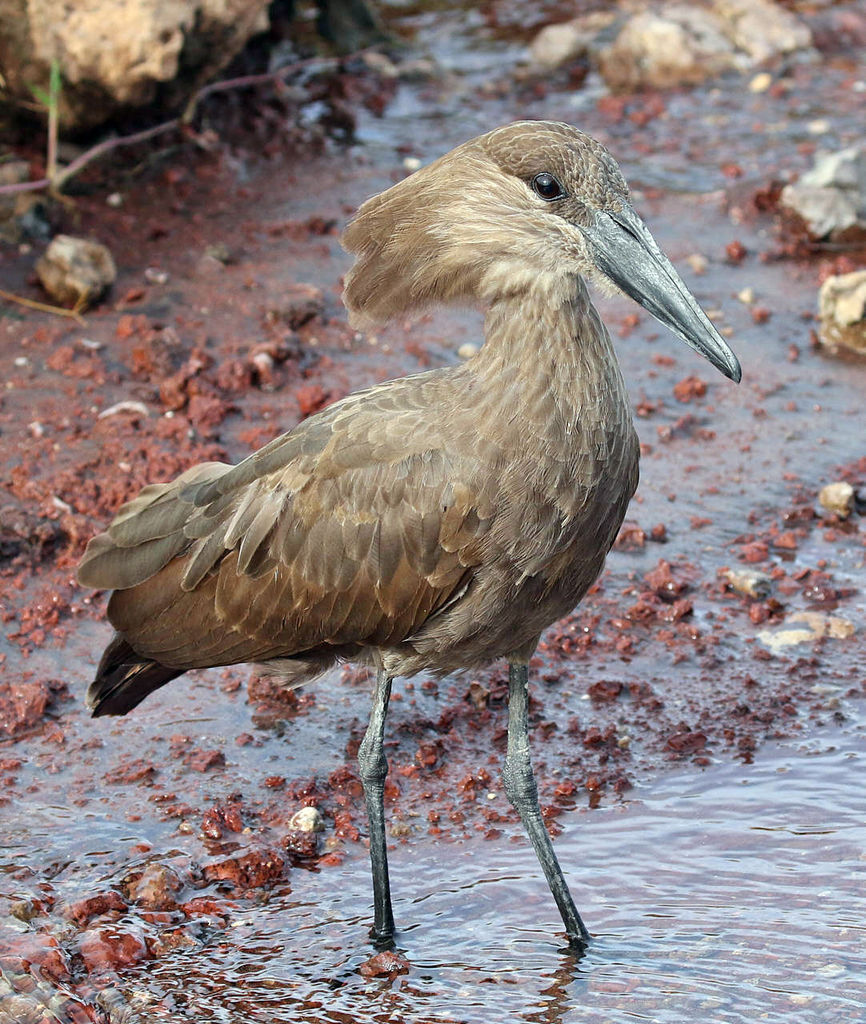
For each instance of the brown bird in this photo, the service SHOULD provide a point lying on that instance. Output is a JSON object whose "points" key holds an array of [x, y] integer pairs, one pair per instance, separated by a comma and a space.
{"points": [[438, 521]]}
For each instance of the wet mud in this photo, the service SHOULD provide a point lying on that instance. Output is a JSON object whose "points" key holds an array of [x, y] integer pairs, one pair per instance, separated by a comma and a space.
{"points": [[152, 869]]}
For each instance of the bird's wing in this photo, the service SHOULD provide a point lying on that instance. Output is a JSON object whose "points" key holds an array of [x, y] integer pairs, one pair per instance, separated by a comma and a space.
{"points": [[352, 528]]}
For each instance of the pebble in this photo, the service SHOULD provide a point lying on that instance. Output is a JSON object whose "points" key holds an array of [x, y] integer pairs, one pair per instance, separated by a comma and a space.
{"points": [[750, 583], [138, 408], [156, 888], [746, 296], [697, 262], [837, 498], [467, 350], [761, 82], [307, 819], [815, 626], [76, 271], [411, 163]]}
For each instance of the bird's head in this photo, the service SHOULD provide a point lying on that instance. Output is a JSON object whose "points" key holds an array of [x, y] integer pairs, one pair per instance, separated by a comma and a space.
{"points": [[525, 207]]}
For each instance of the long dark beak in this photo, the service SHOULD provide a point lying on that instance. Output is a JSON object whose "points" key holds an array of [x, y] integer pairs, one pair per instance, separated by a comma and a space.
{"points": [[623, 250]]}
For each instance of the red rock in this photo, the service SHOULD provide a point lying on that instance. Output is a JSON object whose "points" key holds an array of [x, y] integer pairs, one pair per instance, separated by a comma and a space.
{"points": [[686, 742], [605, 690], [690, 388], [736, 252], [630, 538], [757, 551], [81, 911], [172, 391], [220, 819], [661, 581], [112, 946], [428, 753], [345, 827], [22, 705], [131, 771], [386, 964], [203, 760], [300, 843], [247, 870], [205, 906], [759, 612], [207, 411], [676, 611], [23, 950], [233, 376], [311, 398], [172, 939], [302, 302]]}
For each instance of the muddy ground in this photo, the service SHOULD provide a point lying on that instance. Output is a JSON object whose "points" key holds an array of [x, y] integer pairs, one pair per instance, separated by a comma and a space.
{"points": [[136, 841]]}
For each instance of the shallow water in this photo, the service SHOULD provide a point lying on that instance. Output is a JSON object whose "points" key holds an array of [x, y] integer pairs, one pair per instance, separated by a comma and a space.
{"points": [[735, 896]]}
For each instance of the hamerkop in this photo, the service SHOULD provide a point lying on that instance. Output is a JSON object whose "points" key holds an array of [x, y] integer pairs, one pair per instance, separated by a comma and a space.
{"points": [[439, 521]]}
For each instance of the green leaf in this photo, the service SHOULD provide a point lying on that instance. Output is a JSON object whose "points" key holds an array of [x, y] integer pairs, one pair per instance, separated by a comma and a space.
{"points": [[54, 81], [40, 94]]}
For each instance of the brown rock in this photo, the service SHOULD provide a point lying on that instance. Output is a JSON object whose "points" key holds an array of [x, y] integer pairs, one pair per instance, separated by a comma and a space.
{"points": [[156, 888]]}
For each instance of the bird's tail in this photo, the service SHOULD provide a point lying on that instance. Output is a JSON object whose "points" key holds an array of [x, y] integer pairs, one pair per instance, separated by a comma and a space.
{"points": [[124, 679]]}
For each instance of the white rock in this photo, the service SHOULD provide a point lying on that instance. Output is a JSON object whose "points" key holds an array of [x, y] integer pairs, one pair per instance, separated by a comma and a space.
{"points": [[837, 498], [843, 297], [75, 271], [831, 197], [749, 582], [825, 210], [556, 45], [845, 169], [677, 46], [467, 350], [307, 819], [815, 626], [762, 29], [761, 82], [842, 306]]}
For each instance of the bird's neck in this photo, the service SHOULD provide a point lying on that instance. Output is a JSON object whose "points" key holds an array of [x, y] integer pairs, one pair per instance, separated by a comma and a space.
{"points": [[553, 355]]}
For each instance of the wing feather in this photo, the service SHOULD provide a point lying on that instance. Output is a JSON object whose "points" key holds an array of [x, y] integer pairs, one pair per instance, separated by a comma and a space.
{"points": [[352, 529]]}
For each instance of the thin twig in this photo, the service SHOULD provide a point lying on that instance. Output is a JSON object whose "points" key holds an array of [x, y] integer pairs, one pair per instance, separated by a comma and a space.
{"points": [[249, 81], [24, 186], [81, 161], [58, 180], [44, 307]]}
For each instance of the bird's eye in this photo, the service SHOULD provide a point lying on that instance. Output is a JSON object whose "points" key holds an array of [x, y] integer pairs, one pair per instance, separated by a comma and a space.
{"points": [[547, 187]]}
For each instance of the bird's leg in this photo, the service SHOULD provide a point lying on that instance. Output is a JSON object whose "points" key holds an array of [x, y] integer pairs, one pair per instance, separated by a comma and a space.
{"points": [[523, 793], [373, 768]]}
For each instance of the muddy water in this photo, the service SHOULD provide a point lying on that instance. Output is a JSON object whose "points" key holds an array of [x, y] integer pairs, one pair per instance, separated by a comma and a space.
{"points": [[734, 896]]}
